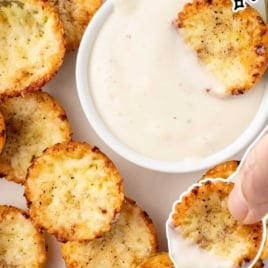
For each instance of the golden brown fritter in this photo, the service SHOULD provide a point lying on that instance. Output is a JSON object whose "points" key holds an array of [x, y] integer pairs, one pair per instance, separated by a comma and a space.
{"points": [[21, 244], [233, 46], [74, 191], [203, 217], [34, 121], [76, 15], [32, 45], [131, 239], [223, 170]]}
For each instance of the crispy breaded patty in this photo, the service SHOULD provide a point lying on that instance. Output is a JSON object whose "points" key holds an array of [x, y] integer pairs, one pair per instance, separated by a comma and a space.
{"points": [[34, 121], [21, 244], [158, 260], [224, 170], [131, 239], [73, 191], [203, 217], [32, 45], [76, 15], [232, 45]]}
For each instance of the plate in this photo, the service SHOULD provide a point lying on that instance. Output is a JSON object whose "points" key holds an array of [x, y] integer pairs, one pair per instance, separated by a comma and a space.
{"points": [[153, 191]]}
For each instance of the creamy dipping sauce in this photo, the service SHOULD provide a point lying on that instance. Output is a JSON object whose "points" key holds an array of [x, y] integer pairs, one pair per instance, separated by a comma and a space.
{"points": [[150, 90], [189, 255]]}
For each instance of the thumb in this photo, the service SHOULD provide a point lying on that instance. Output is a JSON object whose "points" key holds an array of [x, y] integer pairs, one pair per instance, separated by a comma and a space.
{"points": [[248, 202]]}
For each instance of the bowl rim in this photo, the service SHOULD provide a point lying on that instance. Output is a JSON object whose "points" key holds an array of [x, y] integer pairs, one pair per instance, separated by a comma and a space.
{"points": [[123, 150]]}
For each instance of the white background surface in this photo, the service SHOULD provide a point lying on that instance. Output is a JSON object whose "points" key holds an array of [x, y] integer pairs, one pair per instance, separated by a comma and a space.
{"points": [[155, 192]]}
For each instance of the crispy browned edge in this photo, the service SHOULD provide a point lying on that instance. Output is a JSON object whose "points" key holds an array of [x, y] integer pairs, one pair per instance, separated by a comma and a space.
{"points": [[75, 23], [222, 170], [147, 219]]}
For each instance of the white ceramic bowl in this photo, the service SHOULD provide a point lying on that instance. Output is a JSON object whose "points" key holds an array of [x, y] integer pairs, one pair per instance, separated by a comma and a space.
{"points": [[105, 134]]}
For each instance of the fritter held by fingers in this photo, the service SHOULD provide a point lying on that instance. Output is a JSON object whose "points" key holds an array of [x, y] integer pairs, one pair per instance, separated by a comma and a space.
{"points": [[202, 217], [233, 46], [225, 170], [34, 121], [21, 244], [73, 191], [32, 45]]}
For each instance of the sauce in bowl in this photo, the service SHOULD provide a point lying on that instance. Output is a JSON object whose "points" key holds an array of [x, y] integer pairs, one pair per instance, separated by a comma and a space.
{"points": [[148, 89]]}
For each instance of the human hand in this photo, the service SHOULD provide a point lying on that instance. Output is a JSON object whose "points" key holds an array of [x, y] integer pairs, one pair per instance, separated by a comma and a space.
{"points": [[248, 201]]}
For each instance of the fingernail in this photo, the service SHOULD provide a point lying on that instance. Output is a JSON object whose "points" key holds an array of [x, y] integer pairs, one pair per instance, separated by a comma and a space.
{"points": [[237, 204]]}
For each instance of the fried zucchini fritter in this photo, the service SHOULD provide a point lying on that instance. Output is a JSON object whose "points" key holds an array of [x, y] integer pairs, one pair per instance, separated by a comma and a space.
{"points": [[232, 45], [76, 15], [202, 217], [158, 260], [131, 239], [21, 244], [224, 170], [34, 121], [32, 45], [73, 191]]}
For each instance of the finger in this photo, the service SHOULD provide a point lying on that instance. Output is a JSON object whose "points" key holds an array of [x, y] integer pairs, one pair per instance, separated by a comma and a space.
{"points": [[237, 204], [248, 201], [254, 174]]}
